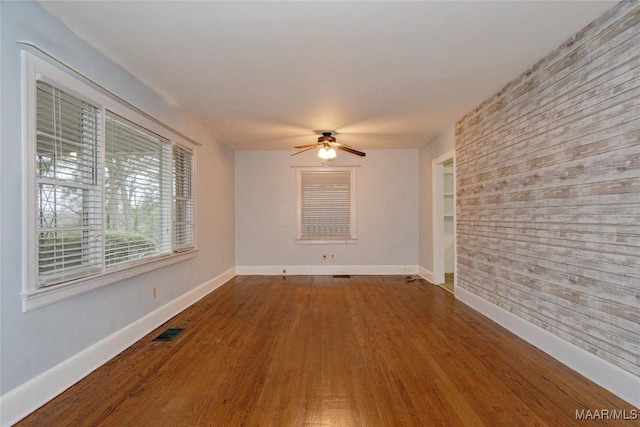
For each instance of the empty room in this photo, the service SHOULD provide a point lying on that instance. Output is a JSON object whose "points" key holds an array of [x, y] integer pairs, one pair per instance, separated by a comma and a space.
{"points": [[319, 213]]}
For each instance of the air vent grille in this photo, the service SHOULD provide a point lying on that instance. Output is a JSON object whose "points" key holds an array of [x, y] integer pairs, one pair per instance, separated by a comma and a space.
{"points": [[169, 334]]}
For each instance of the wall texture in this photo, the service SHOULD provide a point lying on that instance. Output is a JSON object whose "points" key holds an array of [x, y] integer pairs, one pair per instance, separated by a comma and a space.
{"points": [[548, 182], [386, 209], [37, 341]]}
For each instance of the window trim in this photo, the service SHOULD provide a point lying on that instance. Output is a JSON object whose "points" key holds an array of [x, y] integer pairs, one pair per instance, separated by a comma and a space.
{"points": [[46, 296], [352, 239], [34, 69]]}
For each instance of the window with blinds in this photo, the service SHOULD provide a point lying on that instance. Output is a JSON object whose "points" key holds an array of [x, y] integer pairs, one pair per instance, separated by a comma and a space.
{"points": [[326, 208], [106, 193], [137, 172], [183, 215], [68, 197]]}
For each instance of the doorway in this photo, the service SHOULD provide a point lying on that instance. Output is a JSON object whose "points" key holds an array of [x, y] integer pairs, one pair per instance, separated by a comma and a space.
{"points": [[444, 259]]}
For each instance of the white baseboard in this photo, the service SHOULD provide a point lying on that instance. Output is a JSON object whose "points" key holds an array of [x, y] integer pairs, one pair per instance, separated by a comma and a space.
{"points": [[26, 398], [425, 274], [308, 270], [615, 379]]}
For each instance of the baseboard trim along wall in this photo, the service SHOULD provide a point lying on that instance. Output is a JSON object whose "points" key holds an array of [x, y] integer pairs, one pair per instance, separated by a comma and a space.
{"points": [[615, 379], [425, 274], [311, 270], [26, 398]]}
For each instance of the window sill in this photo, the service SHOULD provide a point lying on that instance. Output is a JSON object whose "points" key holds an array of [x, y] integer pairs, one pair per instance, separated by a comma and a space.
{"points": [[349, 241], [45, 296]]}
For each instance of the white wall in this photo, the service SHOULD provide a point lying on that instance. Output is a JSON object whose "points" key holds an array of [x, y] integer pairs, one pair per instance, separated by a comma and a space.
{"points": [[387, 215], [35, 342], [438, 146]]}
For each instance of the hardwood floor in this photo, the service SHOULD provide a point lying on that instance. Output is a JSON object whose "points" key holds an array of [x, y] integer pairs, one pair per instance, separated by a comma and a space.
{"points": [[448, 283], [319, 351]]}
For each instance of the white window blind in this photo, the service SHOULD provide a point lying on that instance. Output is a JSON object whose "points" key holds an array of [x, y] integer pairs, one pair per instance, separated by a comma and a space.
{"points": [[67, 195], [325, 204], [183, 215], [137, 202]]}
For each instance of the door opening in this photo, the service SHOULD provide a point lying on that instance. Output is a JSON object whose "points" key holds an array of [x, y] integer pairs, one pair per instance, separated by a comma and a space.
{"points": [[444, 259], [448, 235]]}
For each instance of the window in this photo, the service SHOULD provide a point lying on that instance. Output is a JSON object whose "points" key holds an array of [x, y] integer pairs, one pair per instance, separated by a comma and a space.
{"points": [[137, 207], [183, 215], [326, 204], [105, 193], [68, 198]]}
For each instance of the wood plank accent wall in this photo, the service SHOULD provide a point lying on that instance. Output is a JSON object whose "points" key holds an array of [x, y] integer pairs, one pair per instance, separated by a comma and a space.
{"points": [[548, 192]]}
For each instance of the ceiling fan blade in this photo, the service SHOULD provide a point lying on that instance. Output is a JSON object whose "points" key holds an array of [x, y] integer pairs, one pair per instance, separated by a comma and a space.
{"points": [[306, 146], [351, 150], [337, 144], [306, 149]]}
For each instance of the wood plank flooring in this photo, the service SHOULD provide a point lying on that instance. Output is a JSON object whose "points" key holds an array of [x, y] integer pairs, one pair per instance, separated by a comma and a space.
{"points": [[319, 351], [448, 284]]}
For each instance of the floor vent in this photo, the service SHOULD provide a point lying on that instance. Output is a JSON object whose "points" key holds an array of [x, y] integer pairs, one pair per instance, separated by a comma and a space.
{"points": [[342, 276], [169, 334]]}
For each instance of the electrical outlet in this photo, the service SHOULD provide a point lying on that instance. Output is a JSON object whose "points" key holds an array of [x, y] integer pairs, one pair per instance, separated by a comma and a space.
{"points": [[155, 292]]}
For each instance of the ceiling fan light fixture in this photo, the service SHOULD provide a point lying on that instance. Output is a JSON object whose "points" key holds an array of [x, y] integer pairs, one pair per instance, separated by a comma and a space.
{"points": [[327, 147], [327, 153]]}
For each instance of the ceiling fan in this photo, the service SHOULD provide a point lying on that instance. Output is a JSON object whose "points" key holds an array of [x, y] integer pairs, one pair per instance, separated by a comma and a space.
{"points": [[328, 146]]}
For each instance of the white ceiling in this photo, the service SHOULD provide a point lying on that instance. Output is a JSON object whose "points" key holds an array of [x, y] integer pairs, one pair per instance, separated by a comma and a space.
{"points": [[264, 75]]}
